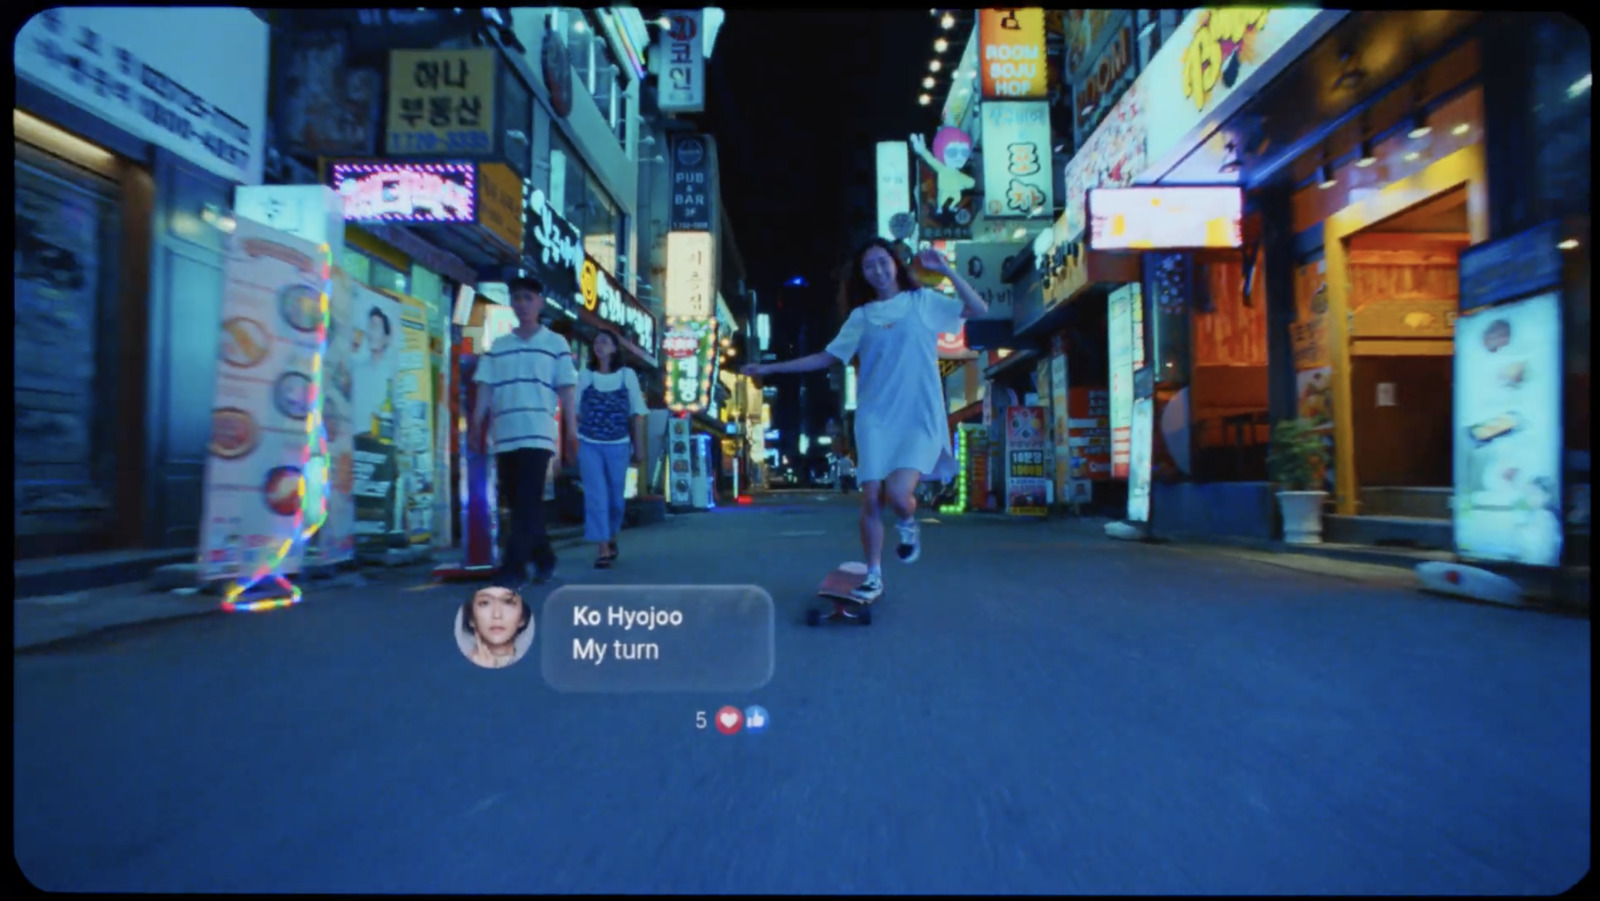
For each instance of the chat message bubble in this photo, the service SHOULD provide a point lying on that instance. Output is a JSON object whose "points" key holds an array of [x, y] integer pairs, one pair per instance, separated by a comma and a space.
{"points": [[624, 638]]}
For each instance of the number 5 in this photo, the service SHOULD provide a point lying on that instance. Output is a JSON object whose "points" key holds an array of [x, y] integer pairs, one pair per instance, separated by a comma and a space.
{"points": [[700, 719]]}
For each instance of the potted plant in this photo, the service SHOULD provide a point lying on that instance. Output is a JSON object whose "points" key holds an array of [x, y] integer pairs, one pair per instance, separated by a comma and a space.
{"points": [[1296, 462]]}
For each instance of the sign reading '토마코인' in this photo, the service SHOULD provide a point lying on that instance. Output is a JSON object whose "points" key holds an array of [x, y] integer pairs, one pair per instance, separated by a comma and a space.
{"points": [[683, 76]]}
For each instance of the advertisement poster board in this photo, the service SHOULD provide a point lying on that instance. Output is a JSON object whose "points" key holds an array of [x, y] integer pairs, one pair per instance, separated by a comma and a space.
{"points": [[414, 422], [1139, 460], [374, 365], [1027, 487], [1313, 376], [1119, 338], [1088, 438], [335, 542], [1508, 442], [271, 310]]}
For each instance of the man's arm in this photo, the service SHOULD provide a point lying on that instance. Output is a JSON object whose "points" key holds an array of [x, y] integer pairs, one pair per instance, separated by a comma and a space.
{"points": [[477, 438], [569, 420]]}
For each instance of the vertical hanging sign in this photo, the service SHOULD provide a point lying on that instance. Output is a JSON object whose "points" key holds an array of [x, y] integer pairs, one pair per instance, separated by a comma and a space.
{"points": [[683, 63], [1013, 54]]}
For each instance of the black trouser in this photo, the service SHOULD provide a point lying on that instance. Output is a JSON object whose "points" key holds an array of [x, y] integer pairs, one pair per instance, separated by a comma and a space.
{"points": [[522, 473]]}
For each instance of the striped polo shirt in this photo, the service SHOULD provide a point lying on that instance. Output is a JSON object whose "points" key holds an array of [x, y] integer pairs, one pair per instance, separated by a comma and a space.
{"points": [[522, 375]]}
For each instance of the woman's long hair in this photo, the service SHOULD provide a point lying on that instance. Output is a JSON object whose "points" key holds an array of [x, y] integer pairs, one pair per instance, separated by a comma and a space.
{"points": [[616, 351], [856, 290]]}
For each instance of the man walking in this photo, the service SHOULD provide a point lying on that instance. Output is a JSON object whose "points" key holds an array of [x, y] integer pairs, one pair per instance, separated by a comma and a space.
{"points": [[520, 380]]}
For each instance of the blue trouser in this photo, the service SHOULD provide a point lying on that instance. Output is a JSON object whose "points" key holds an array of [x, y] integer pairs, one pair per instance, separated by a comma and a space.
{"points": [[604, 471]]}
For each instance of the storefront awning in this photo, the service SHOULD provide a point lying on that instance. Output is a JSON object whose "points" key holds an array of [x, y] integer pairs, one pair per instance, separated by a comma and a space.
{"points": [[1012, 363]]}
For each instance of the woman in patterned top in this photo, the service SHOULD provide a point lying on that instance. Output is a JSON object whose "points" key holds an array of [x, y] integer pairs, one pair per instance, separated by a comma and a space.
{"points": [[611, 411]]}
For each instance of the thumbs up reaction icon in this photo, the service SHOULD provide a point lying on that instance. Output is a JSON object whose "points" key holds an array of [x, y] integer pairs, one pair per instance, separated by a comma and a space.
{"points": [[755, 719]]}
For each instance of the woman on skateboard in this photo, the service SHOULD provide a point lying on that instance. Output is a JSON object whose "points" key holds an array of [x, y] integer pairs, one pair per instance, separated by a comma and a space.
{"points": [[902, 431]]}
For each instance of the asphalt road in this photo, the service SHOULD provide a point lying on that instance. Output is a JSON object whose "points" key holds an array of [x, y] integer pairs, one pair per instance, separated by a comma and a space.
{"points": [[1035, 710]]}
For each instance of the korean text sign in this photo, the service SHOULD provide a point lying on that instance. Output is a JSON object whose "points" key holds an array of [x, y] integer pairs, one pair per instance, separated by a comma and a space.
{"points": [[126, 66], [683, 73], [1214, 55], [441, 102], [1013, 54], [500, 206], [1017, 179], [690, 292], [689, 349]]}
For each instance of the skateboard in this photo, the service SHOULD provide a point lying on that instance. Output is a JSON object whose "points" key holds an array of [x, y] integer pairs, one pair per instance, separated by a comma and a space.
{"points": [[846, 607]]}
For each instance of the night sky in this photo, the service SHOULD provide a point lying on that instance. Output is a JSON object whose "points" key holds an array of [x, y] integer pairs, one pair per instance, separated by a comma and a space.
{"points": [[790, 95]]}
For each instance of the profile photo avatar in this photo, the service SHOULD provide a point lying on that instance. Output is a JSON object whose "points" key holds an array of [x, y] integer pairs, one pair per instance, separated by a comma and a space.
{"points": [[494, 627]]}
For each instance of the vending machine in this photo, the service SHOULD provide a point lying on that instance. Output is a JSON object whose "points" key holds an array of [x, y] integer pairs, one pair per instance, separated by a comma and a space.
{"points": [[678, 453], [702, 472]]}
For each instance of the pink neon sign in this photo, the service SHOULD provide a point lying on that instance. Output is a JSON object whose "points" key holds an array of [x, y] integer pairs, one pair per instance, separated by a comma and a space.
{"points": [[407, 192]]}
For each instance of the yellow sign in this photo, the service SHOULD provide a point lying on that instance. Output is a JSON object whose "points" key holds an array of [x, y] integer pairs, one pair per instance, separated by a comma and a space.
{"points": [[1224, 33], [500, 203], [589, 284], [1014, 64], [441, 102]]}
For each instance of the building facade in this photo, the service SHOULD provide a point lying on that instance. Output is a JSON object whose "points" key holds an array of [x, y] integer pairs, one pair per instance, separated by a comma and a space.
{"points": [[127, 154], [460, 147]]}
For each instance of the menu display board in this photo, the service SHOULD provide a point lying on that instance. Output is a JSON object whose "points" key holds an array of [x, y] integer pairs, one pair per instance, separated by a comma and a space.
{"points": [[1508, 438]]}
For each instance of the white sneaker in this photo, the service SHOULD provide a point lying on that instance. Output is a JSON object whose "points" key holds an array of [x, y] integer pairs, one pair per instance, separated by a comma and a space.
{"points": [[910, 542], [869, 589]]}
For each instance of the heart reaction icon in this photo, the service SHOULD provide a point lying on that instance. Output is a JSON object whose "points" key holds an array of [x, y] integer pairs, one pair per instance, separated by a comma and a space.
{"points": [[729, 720]]}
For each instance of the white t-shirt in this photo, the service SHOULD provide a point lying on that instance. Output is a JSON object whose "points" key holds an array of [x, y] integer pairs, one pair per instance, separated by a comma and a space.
{"points": [[622, 378], [522, 376]]}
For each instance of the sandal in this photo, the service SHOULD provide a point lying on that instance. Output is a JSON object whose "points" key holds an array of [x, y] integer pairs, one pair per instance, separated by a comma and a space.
{"points": [[603, 562]]}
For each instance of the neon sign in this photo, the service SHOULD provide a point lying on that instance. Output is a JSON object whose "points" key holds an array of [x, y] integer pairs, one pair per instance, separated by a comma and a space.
{"points": [[407, 192], [690, 348]]}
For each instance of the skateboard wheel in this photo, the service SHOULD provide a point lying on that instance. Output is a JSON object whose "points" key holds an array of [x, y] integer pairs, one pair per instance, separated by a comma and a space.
{"points": [[865, 616], [813, 618]]}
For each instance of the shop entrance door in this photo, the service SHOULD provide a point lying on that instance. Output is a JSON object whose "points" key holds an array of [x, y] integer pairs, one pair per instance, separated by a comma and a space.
{"points": [[1403, 297], [65, 263]]}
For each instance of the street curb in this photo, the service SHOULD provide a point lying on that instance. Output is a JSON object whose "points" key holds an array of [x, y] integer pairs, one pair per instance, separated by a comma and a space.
{"points": [[58, 642], [1391, 558], [159, 580]]}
